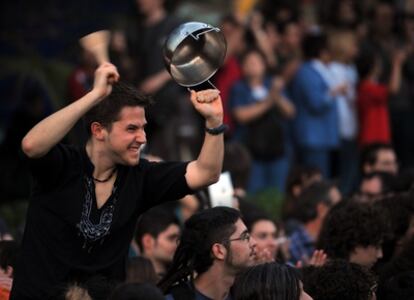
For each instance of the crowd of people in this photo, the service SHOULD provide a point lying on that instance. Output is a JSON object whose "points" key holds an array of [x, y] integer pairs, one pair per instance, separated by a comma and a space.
{"points": [[317, 100]]}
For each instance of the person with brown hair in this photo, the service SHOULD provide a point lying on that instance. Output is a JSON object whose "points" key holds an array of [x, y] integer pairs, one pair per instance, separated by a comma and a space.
{"points": [[86, 200]]}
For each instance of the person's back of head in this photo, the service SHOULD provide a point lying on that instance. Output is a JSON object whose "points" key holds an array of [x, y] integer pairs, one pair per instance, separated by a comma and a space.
{"points": [[140, 270], [314, 44], [99, 287], [269, 281], [351, 225], [136, 291], [399, 212], [201, 231], [339, 279], [237, 161], [308, 206], [152, 223]]}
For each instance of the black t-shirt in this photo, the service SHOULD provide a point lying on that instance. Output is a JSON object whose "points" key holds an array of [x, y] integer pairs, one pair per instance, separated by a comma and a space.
{"points": [[67, 237]]}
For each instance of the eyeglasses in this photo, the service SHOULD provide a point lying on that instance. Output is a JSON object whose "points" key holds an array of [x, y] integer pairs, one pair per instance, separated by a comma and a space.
{"points": [[245, 236]]}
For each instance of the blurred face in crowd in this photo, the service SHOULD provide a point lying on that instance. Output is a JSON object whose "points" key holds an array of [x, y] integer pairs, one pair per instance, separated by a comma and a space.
{"points": [[189, 206], [234, 37], [383, 18], [253, 66], [335, 195], [292, 37], [273, 35], [371, 187], [241, 251], [386, 161], [346, 12], [366, 256], [264, 232], [165, 244]]}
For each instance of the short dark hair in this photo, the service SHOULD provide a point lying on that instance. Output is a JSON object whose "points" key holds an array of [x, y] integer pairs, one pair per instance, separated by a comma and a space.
{"points": [[307, 203], [313, 44], [338, 279], [366, 61], [251, 50], [267, 282], [107, 111], [369, 153], [399, 210], [350, 224], [140, 269], [251, 219], [153, 222], [201, 231]]}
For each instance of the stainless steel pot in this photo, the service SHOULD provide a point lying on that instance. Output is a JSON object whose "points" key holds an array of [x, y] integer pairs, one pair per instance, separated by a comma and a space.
{"points": [[193, 52]]}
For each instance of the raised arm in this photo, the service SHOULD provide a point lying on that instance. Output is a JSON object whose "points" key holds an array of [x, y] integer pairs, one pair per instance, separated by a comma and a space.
{"points": [[51, 130], [207, 168]]}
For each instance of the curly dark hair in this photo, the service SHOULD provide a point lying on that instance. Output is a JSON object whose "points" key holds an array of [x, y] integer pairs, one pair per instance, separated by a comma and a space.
{"points": [[349, 225], [339, 279], [107, 111], [399, 210]]}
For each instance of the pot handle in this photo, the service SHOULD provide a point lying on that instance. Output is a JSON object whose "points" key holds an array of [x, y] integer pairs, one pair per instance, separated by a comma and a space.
{"points": [[196, 37], [208, 81]]}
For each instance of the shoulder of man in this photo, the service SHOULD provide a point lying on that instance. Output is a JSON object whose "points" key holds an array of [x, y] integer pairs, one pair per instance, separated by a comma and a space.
{"points": [[182, 291]]}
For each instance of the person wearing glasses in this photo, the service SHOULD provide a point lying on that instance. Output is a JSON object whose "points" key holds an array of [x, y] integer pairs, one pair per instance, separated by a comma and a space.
{"points": [[215, 246]]}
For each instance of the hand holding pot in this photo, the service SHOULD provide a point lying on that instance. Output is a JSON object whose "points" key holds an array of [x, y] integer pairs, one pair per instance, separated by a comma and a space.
{"points": [[209, 104]]}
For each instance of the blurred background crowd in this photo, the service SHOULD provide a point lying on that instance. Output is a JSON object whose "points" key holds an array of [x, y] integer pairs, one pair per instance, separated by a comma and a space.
{"points": [[319, 98]]}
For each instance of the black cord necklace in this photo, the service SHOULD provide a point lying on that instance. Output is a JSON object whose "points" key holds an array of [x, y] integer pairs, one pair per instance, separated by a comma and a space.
{"points": [[106, 179]]}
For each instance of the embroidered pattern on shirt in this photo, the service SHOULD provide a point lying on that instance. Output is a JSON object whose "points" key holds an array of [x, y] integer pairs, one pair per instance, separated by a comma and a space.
{"points": [[90, 231]]}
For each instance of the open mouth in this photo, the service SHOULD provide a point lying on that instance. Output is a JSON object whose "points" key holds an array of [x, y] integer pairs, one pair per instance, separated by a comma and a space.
{"points": [[134, 149]]}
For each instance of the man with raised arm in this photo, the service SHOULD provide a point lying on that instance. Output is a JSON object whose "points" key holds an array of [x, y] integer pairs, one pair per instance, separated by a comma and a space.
{"points": [[86, 200]]}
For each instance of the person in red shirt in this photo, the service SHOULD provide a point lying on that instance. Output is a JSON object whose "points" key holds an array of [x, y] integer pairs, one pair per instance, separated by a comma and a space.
{"points": [[230, 72], [372, 98]]}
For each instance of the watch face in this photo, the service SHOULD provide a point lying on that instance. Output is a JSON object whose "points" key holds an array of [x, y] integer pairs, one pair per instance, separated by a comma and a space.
{"points": [[221, 193]]}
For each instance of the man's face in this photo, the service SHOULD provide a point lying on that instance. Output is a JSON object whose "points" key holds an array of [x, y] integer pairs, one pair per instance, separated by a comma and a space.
{"points": [[366, 256], [166, 244], [264, 232], [241, 251], [126, 136], [386, 162]]}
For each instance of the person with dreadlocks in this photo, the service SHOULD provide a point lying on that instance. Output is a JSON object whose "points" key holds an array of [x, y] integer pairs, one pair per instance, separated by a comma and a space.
{"points": [[215, 246]]}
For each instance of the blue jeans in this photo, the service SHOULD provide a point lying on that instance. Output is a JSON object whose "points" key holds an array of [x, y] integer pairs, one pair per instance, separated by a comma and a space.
{"points": [[268, 174]]}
